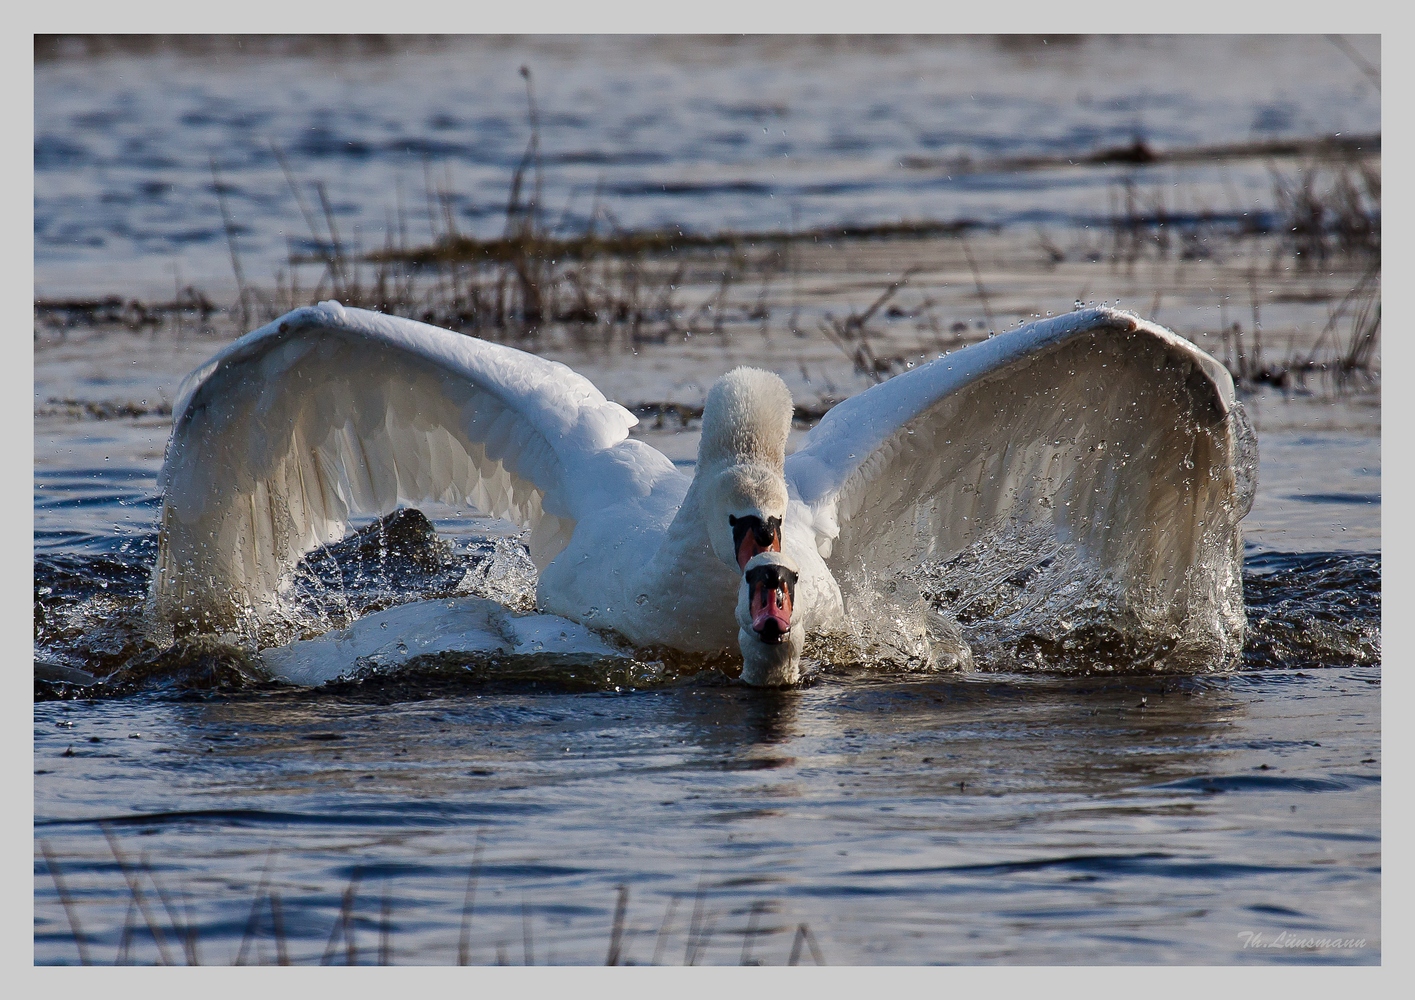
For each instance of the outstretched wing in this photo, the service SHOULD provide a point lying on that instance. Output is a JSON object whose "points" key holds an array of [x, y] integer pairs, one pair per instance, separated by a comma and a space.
{"points": [[1108, 433], [329, 412]]}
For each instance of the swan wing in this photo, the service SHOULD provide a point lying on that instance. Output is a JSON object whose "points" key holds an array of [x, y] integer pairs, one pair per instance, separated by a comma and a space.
{"points": [[1108, 433], [330, 412]]}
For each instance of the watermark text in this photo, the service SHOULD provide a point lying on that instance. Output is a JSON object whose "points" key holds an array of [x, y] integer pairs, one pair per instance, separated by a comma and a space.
{"points": [[1286, 939]]}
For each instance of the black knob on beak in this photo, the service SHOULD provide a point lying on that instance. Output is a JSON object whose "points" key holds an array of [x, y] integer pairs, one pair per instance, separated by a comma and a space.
{"points": [[751, 534]]}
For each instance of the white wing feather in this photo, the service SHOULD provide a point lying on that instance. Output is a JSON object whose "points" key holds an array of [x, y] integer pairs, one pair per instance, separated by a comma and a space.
{"points": [[1108, 432], [330, 412]]}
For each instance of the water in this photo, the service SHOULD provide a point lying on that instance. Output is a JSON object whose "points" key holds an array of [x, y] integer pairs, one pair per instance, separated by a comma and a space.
{"points": [[752, 134], [905, 820], [1035, 816], [1064, 813]]}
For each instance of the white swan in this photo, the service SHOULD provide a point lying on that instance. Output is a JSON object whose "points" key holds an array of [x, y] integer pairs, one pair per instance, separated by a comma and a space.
{"points": [[770, 634], [1109, 433]]}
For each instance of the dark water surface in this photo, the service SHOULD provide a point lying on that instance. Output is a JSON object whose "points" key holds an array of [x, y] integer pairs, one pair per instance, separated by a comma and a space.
{"points": [[993, 816], [905, 820]]}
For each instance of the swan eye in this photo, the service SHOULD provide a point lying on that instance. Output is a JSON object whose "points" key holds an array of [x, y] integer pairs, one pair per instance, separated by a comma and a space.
{"points": [[751, 534], [772, 576]]}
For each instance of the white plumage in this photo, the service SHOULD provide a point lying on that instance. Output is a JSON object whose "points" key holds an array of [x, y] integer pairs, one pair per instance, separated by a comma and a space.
{"points": [[1109, 433]]}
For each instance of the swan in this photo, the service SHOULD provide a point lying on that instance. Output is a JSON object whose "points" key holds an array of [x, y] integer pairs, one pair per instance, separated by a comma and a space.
{"points": [[1110, 434], [769, 634]]}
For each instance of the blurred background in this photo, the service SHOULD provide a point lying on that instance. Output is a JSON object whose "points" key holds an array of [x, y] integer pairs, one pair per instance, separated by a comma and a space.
{"points": [[508, 184]]}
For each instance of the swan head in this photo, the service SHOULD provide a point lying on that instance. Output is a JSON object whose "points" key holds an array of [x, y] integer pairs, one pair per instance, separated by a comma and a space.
{"points": [[771, 635], [742, 456], [746, 506]]}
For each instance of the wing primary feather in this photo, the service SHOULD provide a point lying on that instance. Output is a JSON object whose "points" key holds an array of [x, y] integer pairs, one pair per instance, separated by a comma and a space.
{"points": [[1095, 430], [381, 411]]}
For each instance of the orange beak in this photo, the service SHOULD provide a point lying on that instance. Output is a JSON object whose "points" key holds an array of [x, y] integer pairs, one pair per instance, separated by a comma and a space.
{"points": [[771, 599], [750, 536]]}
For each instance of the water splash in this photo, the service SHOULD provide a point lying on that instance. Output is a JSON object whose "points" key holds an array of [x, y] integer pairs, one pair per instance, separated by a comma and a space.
{"points": [[1025, 600], [502, 571], [1044, 590], [1315, 608], [1037, 606], [892, 624]]}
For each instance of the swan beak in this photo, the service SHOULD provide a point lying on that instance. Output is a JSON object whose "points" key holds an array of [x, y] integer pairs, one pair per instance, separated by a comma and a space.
{"points": [[772, 590], [751, 535]]}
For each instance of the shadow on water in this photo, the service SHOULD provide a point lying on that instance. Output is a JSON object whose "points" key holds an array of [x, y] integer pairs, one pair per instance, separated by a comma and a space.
{"points": [[1061, 734]]}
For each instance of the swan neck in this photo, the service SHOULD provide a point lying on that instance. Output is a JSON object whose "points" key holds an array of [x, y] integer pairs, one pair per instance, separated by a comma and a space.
{"points": [[774, 665]]}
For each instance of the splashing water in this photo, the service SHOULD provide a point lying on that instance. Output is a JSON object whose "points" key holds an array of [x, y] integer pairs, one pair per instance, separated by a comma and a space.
{"points": [[395, 605], [1029, 617], [502, 573], [892, 625]]}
